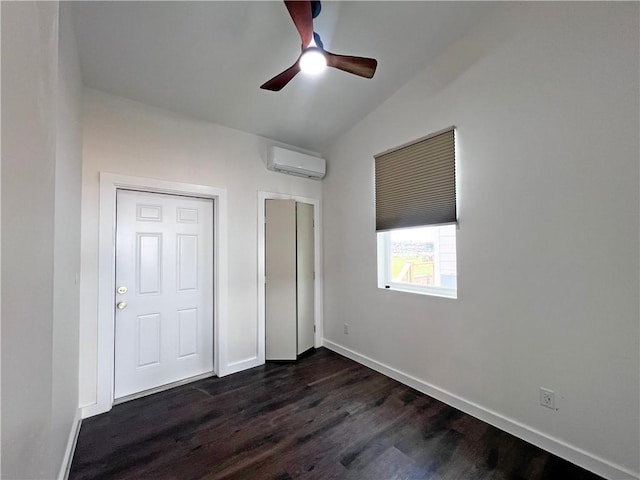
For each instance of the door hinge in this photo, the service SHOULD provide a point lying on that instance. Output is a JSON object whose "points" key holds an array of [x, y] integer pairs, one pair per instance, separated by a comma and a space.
{"points": [[314, 328]]}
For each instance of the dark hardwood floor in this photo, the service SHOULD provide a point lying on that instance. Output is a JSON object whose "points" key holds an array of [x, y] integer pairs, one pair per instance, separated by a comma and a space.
{"points": [[322, 417]]}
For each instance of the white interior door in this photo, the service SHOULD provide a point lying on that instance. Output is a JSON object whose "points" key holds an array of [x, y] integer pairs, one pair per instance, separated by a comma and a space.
{"points": [[164, 290]]}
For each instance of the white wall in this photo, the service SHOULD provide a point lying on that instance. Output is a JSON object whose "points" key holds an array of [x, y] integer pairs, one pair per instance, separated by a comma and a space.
{"points": [[545, 99], [130, 138], [0, 275], [40, 226], [66, 267]]}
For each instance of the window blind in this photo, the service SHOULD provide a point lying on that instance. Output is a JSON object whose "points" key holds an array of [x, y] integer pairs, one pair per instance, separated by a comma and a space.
{"points": [[416, 183]]}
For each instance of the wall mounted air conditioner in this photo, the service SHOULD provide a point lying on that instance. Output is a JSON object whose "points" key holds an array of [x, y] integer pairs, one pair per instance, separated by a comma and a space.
{"points": [[295, 163]]}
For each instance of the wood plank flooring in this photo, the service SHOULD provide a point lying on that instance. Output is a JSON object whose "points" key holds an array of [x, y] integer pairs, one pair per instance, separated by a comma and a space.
{"points": [[322, 417]]}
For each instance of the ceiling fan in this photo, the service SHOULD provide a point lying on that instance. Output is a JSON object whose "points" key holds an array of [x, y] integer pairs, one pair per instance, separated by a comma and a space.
{"points": [[314, 58]]}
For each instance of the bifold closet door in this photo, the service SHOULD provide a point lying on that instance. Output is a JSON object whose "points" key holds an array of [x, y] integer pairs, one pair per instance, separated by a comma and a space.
{"points": [[280, 286], [305, 276]]}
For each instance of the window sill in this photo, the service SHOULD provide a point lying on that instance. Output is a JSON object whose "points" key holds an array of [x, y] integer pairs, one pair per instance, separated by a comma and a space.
{"points": [[432, 292]]}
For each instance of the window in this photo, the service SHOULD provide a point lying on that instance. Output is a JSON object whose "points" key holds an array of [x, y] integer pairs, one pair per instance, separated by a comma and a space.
{"points": [[421, 260], [416, 216]]}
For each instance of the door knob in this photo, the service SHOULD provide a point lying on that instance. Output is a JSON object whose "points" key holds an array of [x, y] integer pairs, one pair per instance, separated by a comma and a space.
{"points": [[122, 290], [121, 305]]}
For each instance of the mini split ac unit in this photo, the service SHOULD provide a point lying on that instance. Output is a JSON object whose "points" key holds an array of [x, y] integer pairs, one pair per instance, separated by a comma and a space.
{"points": [[295, 163]]}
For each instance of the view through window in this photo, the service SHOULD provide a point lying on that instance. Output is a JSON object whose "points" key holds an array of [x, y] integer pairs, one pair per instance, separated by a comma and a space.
{"points": [[420, 259]]}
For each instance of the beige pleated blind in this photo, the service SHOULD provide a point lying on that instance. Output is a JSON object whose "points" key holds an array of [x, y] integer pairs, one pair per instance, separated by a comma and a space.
{"points": [[416, 183]]}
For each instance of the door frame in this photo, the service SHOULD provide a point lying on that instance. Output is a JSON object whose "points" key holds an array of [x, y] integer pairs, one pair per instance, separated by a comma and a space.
{"points": [[109, 184], [317, 238]]}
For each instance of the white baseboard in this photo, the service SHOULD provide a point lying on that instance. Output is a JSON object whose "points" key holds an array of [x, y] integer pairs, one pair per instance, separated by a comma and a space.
{"points": [[94, 409], [71, 447], [562, 449]]}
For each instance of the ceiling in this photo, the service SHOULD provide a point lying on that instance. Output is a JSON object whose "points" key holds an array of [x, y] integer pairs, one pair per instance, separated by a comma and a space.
{"points": [[208, 59]]}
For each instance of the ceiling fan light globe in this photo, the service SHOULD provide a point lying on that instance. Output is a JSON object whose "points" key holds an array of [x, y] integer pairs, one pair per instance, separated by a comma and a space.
{"points": [[313, 61]]}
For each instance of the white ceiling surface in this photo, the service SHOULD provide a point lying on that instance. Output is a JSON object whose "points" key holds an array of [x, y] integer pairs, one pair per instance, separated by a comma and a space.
{"points": [[208, 59]]}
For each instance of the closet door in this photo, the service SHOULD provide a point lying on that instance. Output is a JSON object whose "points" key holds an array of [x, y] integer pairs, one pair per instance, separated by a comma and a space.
{"points": [[305, 276], [280, 287]]}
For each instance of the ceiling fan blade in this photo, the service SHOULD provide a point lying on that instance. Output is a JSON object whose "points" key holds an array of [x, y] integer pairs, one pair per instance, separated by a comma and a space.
{"points": [[280, 80], [364, 67], [301, 15]]}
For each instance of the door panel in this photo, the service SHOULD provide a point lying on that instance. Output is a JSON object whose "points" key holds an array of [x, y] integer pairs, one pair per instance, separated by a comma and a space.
{"points": [[149, 263], [164, 256], [148, 344], [305, 277], [280, 288], [187, 332], [187, 262]]}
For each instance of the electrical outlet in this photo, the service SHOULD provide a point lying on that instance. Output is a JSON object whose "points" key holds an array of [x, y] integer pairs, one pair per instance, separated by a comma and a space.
{"points": [[346, 329], [547, 398]]}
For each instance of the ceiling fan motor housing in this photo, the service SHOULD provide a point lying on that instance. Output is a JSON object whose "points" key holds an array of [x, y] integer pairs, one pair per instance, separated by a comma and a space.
{"points": [[302, 13]]}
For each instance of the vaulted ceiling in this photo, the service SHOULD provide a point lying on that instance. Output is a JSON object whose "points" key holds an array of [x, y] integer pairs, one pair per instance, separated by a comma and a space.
{"points": [[208, 59]]}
